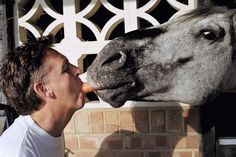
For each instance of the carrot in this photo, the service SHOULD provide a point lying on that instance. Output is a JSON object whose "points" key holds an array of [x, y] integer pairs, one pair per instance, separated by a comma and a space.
{"points": [[86, 88]]}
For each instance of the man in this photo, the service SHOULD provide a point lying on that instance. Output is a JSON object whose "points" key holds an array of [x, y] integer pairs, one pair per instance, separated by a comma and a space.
{"points": [[45, 90]]}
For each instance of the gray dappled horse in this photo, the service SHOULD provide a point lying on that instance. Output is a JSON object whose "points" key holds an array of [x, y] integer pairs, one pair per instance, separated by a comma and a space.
{"points": [[189, 59]]}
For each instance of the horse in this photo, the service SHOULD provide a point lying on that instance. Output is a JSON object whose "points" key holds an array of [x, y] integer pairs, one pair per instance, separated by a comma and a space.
{"points": [[189, 59]]}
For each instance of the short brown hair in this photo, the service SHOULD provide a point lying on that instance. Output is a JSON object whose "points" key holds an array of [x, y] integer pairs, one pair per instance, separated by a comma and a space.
{"points": [[19, 70]]}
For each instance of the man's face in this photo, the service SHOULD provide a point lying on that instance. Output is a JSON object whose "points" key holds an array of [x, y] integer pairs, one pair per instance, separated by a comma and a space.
{"points": [[63, 80]]}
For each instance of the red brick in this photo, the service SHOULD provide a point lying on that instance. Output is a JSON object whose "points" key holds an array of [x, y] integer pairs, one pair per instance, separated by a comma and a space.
{"points": [[90, 142], [188, 142], [82, 122], [166, 154], [157, 121], [110, 128], [71, 142], [179, 142], [159, 154], [185, 154], [196, 154], [154, 154], [126, 121], [111, 121], [113, 142], [148, 141], [141, 121], [120, 154], [174, 120], [182, 154], [176, 154], [162, 142], [133, 142], [86, 154], [193, 142], [97, 122]]}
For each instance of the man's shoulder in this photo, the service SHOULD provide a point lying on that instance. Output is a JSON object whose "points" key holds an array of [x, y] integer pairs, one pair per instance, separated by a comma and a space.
{"points": [[17, 130], [13, 138]]}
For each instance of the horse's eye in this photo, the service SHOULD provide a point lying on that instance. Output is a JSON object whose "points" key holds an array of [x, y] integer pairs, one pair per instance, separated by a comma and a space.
{"points": [[209, 35]]}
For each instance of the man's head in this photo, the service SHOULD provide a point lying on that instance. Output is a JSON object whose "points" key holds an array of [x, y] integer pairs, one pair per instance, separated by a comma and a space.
{"points": [[20, 69], [35, 74]]}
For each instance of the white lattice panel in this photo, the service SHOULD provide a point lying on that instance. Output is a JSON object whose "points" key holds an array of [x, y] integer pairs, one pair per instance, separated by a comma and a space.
{"points": [[73, 45]]}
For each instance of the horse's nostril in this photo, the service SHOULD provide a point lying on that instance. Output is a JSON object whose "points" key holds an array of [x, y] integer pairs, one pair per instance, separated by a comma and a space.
{"points": [[111, 59], [120, 57]]}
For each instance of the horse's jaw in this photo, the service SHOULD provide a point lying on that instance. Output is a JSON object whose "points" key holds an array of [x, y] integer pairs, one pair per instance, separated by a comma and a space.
{"points": [[115, 97]]}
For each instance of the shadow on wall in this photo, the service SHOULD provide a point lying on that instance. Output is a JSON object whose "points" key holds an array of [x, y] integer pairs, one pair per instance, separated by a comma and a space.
{"points": [[155, 132], [172, 131]]}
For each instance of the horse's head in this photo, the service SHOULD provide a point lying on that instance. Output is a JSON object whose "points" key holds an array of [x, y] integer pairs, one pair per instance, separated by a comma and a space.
{"points": [[188, 59]]}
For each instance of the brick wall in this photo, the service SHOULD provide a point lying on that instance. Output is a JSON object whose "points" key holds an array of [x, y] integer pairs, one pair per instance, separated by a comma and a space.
{"points": [[134, 132]]}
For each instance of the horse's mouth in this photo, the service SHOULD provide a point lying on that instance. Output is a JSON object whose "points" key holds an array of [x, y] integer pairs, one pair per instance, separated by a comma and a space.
{"points": [[116, 96], [116, 86]]}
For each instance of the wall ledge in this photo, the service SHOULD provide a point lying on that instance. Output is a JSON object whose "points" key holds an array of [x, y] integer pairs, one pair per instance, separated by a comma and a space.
{"points": [[131, 104]]}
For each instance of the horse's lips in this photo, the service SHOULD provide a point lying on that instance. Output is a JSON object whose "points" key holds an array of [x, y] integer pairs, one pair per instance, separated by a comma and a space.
{"points": [[116, 96], [107, 96]]}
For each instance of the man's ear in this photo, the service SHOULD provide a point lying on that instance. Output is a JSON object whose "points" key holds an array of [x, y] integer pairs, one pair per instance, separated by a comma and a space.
{"points": [[42, 90]]}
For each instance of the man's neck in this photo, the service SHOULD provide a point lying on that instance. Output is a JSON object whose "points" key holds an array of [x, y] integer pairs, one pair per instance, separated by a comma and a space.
{"points": [[51, 121]]}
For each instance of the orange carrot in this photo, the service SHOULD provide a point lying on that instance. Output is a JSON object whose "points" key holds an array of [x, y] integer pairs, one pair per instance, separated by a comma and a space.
{"points": [[86, 88]]}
